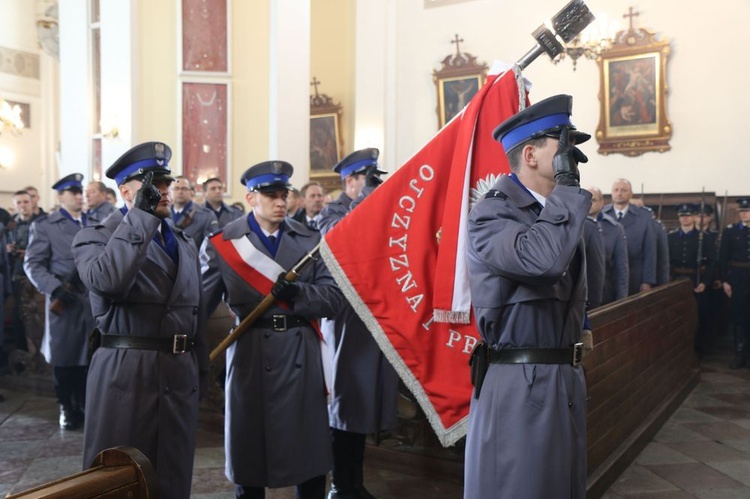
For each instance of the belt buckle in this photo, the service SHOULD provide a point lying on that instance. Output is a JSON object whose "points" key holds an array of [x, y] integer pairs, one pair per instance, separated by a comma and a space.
{"points": [[179, 343], [279, 323], [577, 354]]}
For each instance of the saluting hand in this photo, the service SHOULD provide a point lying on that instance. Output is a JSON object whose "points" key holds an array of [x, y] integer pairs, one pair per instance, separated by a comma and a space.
{"points": [[148, 197], [565, 162]]}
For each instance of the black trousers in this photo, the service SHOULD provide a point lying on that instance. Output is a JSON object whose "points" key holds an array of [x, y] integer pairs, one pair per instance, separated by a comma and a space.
{"points": [[70, 386], [348, 460], [314, 488]]}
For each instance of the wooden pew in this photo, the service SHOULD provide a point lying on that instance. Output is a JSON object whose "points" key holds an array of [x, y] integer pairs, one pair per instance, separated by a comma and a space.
{"points": [[641, 369], [120, 472]]}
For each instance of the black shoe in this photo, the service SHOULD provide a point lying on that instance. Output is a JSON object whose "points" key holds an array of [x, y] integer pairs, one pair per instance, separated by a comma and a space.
{"points": [[68, 419]]}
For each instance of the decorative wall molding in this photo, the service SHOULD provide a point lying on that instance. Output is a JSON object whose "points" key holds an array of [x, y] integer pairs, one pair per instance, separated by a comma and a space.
{"points": [[428, 4], [18, 63]]}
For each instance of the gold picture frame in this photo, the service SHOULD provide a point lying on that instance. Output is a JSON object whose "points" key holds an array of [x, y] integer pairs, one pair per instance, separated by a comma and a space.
{"points": [[459, 79], [325, 139], [633, 93]]}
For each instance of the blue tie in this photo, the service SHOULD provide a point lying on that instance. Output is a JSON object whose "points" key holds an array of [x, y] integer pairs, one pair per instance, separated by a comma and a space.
{"points": [[169, 243]]}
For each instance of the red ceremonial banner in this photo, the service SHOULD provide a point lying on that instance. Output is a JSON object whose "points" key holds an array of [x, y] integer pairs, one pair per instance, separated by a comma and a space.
{"points": [[399, 256]]}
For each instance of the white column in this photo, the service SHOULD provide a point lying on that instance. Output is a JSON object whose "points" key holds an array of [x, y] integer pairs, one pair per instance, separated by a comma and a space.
{"points": [[375, 79], [75, 85], [118, 73], [289, 89]]}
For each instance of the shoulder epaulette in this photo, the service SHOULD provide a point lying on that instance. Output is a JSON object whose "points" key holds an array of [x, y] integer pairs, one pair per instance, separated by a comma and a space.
{"points": [[494, 193]]}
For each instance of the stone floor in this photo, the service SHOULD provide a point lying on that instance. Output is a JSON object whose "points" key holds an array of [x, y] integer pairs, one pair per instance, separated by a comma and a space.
{"points": [[703, 450]]}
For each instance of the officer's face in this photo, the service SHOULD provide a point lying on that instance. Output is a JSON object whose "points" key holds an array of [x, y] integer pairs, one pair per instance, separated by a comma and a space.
{"points": [[181, 191], [269, 207], [621, 192], [314, 199], [94, 197], [686, 221], [745, 216], [543, 156], [162, 210], [215, 192], [22, 204], [72, 201], [34, 197]]}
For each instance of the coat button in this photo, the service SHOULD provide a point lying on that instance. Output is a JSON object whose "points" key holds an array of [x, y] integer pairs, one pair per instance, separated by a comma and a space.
{"points": [[267, 335], [166, 389], [268, 368], [570, 404], [559, 217]]}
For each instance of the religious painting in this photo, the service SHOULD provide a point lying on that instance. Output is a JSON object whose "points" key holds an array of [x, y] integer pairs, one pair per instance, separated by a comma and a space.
{"points": [[205, 150], [324, 142], [204, 36], [633, 91], [457, 82], [454, 93]]}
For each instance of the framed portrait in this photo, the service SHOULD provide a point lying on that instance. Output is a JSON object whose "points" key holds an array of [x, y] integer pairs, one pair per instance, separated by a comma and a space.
{"points": [[457, 82], [325, 140], [633, 91]]}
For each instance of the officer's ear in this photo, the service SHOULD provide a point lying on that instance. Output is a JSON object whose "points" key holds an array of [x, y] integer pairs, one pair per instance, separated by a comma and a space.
{"points": [[528, 155]]}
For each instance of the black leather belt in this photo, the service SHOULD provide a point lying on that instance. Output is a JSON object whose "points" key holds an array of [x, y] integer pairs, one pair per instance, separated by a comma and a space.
{"points": [[572, 356], [179, 343], [280, 323]]}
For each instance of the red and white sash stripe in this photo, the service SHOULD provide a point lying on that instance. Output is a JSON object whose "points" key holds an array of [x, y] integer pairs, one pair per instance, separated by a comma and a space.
{"points": [[260, 271]]}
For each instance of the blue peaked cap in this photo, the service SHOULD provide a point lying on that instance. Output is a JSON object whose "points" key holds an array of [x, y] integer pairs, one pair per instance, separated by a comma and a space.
{"points": [[72, 182], [545, 118], [268, 176], [358, 161], [139, 160]]}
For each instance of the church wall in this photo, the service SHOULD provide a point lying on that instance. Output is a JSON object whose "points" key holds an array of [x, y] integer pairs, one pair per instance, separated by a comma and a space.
{"points": [[707, 102], [20, 81]]}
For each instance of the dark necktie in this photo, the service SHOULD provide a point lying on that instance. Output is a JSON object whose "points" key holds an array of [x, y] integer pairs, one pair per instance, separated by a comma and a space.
{"points": [[272, 239], [619, 217], [312, 224]]}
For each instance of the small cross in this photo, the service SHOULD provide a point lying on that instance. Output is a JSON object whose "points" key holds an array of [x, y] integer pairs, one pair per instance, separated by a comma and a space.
{"points": [[315, 83], [457, 40], [631, 15]]}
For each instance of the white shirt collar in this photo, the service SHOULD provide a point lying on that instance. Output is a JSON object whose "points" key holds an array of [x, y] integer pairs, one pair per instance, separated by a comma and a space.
{"points": [[541, 199]]}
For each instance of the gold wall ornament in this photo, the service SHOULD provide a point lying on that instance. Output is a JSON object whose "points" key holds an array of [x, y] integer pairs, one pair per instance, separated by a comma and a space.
{"points": [[10, 117], [633, 92]]}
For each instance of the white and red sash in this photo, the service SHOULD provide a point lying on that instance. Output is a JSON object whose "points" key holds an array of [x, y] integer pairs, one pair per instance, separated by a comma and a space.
{"points": [[260, 272]]}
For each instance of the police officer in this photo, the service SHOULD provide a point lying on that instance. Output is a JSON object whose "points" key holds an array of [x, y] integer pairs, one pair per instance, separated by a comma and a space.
{"points": [[365, 385], [615, 250], [734, 269], [144, 278], [213, 193], [195, 220], [98, 205], [641, 237], [595, 261], [48, 263], [692, 255], [276, 424], [526, 262]]}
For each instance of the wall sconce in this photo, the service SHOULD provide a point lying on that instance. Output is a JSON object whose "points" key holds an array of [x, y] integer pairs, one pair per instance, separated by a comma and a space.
{"points": [[113, 133], [598, 37], [10, 117], [6, 157]]}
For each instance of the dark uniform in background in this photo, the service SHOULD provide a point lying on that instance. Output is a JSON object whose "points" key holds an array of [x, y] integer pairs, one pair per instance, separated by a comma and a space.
{"points": [[196, 221], [734, 269], [144, 278], [28, 303], [595, 262], [365, 385], [662, 251], [223, 212], [616, 250], [692, 256], [49, 265], [527, 270], [641, 244], [276, 423]]}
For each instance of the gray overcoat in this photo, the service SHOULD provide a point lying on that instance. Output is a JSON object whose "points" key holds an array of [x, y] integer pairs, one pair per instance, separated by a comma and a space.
{"points": [[198, 223], [641, 238], [225, 214], [527, 430], [98, 214], [616, 251], [143, 398], [595, 261], [365, 385], [47, 263], [662, 252], [276, 425]]}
